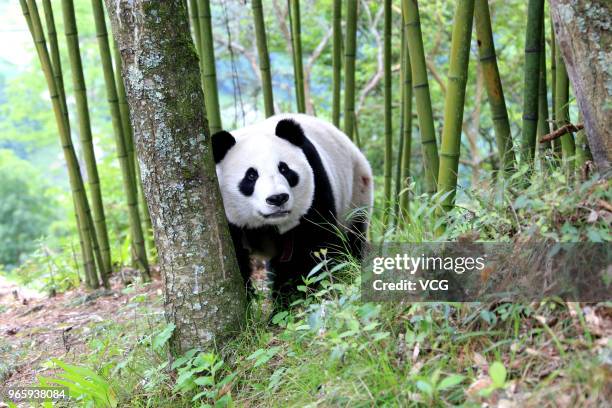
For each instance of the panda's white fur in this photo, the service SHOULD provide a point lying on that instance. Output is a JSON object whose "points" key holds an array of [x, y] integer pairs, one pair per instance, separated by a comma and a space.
{"points": [[258, 146]]}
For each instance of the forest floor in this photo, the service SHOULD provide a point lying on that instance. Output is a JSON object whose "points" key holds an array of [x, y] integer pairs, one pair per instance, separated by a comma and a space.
{"points": [[35, 328]]}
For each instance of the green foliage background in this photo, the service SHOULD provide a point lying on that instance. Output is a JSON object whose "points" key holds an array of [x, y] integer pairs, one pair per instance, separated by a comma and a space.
{"points": [[28, 134]]}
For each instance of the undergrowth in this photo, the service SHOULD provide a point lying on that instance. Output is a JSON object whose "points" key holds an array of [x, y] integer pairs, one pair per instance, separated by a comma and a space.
{"points": [[332, 349]]}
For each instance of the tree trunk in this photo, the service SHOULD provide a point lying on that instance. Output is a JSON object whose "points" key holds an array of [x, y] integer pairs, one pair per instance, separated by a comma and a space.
{"points": [[205, 295], [583, 34], [128, 134]]}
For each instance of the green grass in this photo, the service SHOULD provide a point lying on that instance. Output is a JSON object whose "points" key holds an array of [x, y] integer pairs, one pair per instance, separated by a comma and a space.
{"points": [[332, 349]]}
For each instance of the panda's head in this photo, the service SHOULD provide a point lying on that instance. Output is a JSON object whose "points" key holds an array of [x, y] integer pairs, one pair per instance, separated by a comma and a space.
{"points": [[265, 178]]}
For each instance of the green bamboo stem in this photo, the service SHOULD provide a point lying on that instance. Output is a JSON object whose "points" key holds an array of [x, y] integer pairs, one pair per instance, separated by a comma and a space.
{"points": [[209, 71], [400, 143], [350, 50], [296, 45], [406, 135], [455, 101], [194, 18], [553, 72], [420, 84], [535, 11], [388, 162], [56, 61], [336, 61], [31, 15], [562, 115], [89, 265], [495, 92], [264, 57], [543, 125], [129, 186], [90, 251], [80, 93]]}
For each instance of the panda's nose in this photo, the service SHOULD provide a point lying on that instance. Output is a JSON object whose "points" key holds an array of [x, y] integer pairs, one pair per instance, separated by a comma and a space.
{"points": [[277, 199]]}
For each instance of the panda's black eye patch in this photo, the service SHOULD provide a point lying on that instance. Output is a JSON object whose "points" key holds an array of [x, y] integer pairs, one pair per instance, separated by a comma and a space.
{"points": [[292, 177], [247, 184]]}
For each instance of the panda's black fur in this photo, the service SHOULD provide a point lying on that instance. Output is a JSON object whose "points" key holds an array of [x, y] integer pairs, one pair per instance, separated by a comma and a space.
{"points": [[295, 249]]}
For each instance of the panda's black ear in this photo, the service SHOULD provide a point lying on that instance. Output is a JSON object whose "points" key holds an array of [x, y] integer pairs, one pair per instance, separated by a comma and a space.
{"points": [[291, 131], [221, 143]]}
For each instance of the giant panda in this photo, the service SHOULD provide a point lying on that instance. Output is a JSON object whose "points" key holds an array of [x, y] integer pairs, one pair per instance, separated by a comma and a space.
{"points": [[291, 186]]}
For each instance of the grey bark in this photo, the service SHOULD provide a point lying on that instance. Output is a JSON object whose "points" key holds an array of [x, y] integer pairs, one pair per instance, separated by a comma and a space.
{"points": [[204, 294], [583, 32]]}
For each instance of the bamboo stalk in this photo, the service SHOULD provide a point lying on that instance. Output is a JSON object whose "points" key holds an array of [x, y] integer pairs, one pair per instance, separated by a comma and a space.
{"points": [[495, 92], [80, 93], [388, 161], [562, 115], [410, 12], [553, 72], [209, 71], [89, 265], [129, 186], [126, 127], [56, 61], [406, 134], [264, 57], [92, 251], [543, 125], [535, 10], [30, 12], [296, 46], [455, 101], [350, 50], [194, 18], [336, 61]]}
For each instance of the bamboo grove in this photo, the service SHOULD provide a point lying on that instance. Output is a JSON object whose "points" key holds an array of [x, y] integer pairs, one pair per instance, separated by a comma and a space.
{"points": [[439, 154], [88, 203]]}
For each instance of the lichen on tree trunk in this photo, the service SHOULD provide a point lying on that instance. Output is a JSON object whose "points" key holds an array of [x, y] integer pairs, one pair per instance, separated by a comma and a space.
{"points": [[583, 32], [204, 292]]}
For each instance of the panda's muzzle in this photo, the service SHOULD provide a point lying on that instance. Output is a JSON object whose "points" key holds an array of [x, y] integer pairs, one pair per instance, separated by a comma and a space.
{"points": [[277, 214]]}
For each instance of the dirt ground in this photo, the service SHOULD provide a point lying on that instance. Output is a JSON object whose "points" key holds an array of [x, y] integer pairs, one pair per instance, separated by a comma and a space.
{"points": [[35, 328]]}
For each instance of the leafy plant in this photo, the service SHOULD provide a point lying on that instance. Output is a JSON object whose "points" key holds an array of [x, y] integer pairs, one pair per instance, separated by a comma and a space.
{"points": [[84, 385], [201, 372]]}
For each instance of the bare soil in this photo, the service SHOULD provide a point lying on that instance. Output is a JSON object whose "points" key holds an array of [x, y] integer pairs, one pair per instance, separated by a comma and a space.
{"points": [[35, 328]]}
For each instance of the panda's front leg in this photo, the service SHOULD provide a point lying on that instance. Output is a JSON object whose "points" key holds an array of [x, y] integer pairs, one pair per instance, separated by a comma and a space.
{"points": [[243, 256]]}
